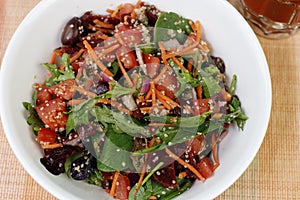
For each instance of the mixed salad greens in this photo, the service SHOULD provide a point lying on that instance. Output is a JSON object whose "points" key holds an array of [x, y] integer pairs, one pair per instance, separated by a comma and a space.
{"points": [[134, 103]]}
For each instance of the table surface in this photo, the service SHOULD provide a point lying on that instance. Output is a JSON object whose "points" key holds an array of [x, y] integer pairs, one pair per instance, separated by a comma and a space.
{"points": [[273, 174]]}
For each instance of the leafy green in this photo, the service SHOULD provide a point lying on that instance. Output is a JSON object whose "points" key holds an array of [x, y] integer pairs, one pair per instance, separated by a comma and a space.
{"points": [[232, 85], [33, 119], [59, 75], [153, 189], [170, 25], [236, 113], [96, 178], [118, 147], [117, 91]]}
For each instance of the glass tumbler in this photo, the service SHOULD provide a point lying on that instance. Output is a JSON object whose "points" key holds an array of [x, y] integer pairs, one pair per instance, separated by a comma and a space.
{"points": [[274, 19]]}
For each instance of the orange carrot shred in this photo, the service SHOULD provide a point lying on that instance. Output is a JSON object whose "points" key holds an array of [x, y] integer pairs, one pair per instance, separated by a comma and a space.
{"points": [[84, 92], [52, 146], [109, 50], [103, 24], [148, 95], [166, 105], [199, 92], [77, 55], [124, 72], [120, 40], [184, 164], [190, 65], [198, 35], [109, 11], [74, 102], [53, 58], [166, 98], [114, 184], [180, 65], [137, 5], [95, 58], [152, 88], [116, 11], [160, 75], [192, 24]]}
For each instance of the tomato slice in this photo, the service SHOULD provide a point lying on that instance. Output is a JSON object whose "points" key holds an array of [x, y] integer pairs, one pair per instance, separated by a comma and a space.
{"points": [[202, 105], [43, 94], [122, 188], [205, 167], [52, 113], [127, 57], [46, 135], [64, 89], [130, 36], [152, 64]]}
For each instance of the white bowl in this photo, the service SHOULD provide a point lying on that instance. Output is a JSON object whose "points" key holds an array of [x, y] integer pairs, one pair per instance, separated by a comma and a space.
{"points": [[226, 31]]}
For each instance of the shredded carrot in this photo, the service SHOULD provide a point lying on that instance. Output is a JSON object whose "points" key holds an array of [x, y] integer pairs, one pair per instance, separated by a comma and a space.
{"points": [[114, 184], [109, 11], [182, 175], [124, 72], [184, 51], [184, 164], [199, 92], [166, 98], [104, 37], [103, 24], [148, 109], [148, 95], [79, 73], [109, 50], [180, 65], [95, 58], [53, 58], [52, 146], [120, 40], [141, 98], [137, 5], [143, 172], [120, 107], [153, 140], [204, 47], [84, 92], [116, 11], [166, 105], [104, 101], [152, 88], [214, 151], [160, 75], [195, 73], [74, 102], [192, 24], [77, 55], [190, 65], [198, 31]]}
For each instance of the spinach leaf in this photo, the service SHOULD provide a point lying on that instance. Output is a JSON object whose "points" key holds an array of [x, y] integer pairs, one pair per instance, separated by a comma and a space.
{"points": [[59, 75], [236, 113], [118, 147], [170, 25], [33, 119], [96, 178]]}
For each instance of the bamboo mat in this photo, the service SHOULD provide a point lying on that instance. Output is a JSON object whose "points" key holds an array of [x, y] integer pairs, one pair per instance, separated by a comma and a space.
{"points": [[273, 174]]}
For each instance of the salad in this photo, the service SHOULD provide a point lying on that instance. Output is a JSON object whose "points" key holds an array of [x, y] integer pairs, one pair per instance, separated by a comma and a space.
{"points": [[134, 103]]}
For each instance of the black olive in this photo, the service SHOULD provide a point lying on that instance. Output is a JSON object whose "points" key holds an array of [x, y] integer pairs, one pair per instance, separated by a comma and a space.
{"points": [[83, 167], [219, 63], [71, 32], [100, 88]]}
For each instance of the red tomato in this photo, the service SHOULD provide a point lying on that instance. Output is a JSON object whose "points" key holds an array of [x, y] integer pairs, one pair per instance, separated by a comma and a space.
{"points": [[152, 64], [127, 57], [170, 81], [43, 94], [46, 135], [122, 188], [52, 114], [64, 89], [202, 105], [198, 144], [130, 36], [77, 64], [205, 167]]}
